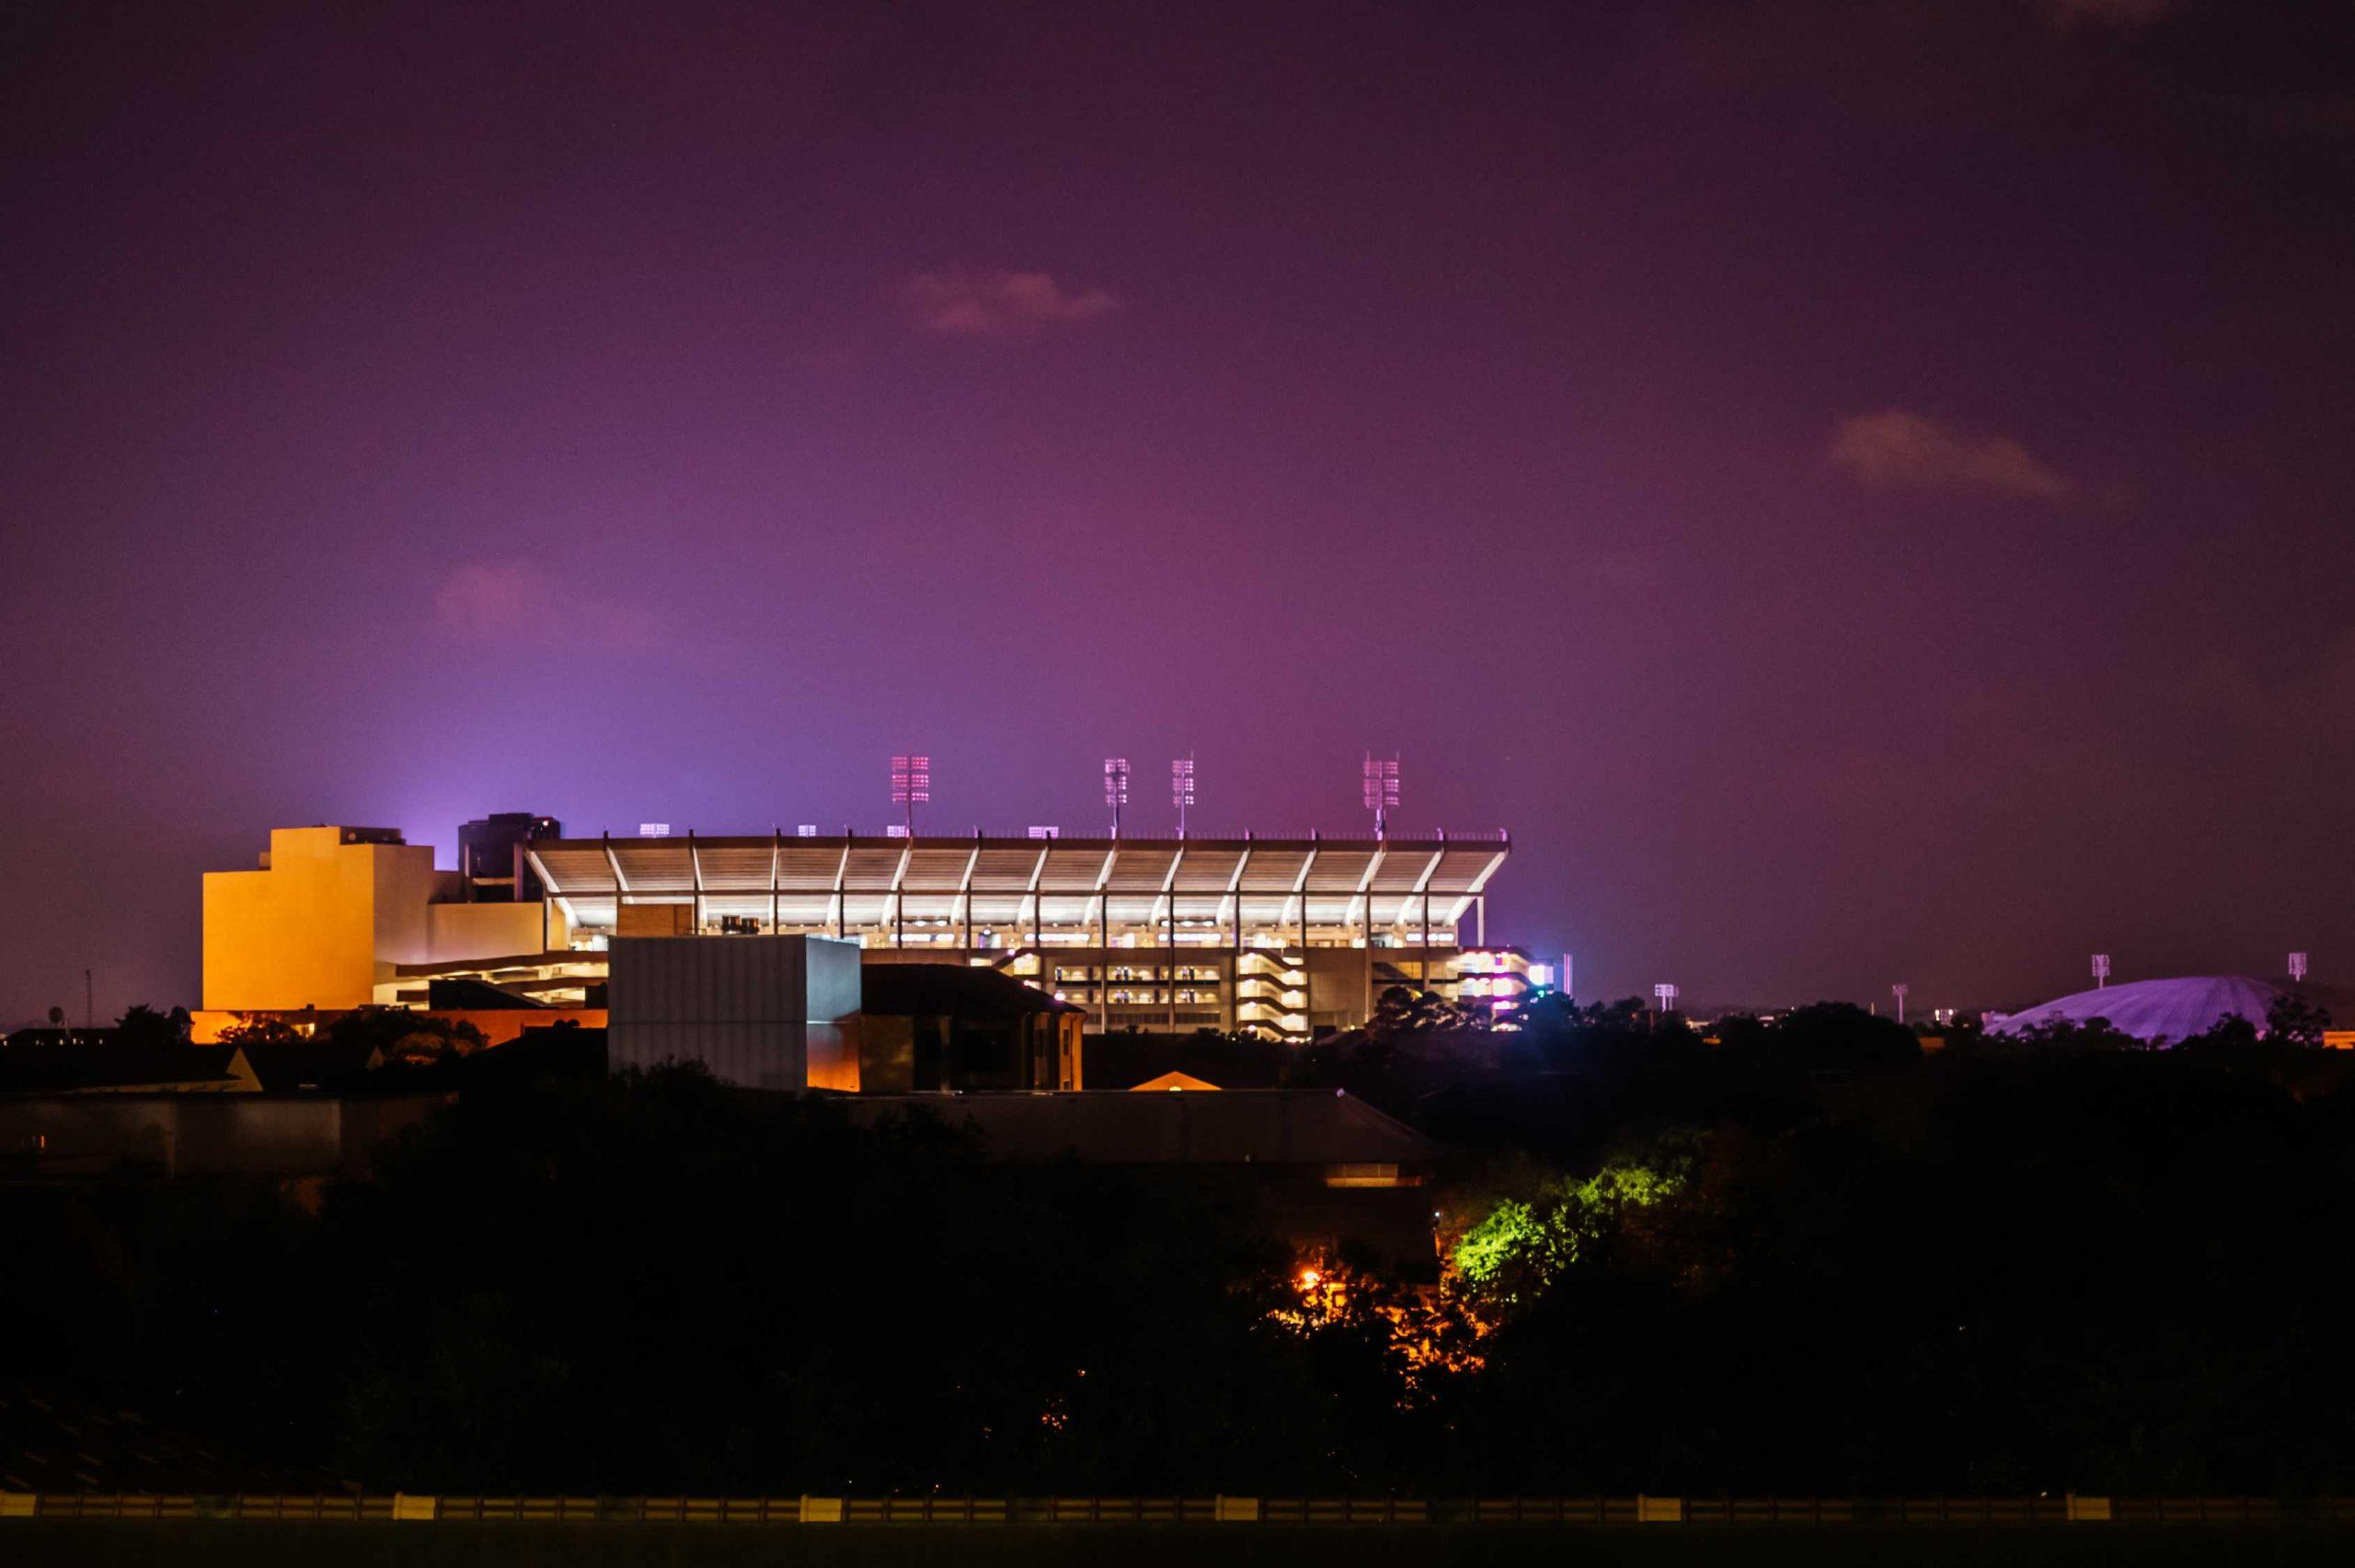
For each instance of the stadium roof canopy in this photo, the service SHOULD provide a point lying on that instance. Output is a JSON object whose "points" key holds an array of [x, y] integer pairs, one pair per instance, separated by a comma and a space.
{"points": [[1011, 882]]}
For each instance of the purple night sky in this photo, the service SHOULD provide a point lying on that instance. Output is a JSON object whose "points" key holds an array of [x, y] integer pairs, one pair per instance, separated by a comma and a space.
{"points": [[1862, 490]]}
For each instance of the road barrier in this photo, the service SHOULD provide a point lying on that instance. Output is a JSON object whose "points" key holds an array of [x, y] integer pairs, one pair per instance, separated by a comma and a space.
{"points": [[1519, 1512]]}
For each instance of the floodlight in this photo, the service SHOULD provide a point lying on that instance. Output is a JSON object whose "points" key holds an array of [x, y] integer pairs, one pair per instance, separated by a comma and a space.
{"points": [[1181, 788], [911, 787], [1116, 788], [1381, 791]]}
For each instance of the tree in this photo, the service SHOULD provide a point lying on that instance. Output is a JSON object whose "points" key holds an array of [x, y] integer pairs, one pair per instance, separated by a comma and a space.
{"points": [[261, 1032], [1840, 1037], [1403, 1013], [2292, 1019], [143, 1025], [2069, 1034], [404, 1038], [1523, 1245], [2232, 1032]]}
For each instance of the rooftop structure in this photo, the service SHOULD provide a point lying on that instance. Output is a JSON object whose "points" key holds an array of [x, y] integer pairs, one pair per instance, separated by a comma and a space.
{"points": [[983, 892]]}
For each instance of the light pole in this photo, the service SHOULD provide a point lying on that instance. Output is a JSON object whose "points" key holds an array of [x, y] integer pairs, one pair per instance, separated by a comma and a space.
{"points": [[2101, 970], [911, 787], [1181, 787], [1116, 788], [1899, 991], [1381, 791]]}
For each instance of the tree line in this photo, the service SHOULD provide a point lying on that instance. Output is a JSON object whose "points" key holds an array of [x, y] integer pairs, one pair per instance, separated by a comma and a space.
{"points": [[1800, 1255]]}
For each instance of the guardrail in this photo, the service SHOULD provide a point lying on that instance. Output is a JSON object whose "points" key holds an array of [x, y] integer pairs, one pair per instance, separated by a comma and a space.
{"points": [[1557, 1512]]}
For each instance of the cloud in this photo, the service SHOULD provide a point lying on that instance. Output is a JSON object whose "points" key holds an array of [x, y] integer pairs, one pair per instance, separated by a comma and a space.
{"points": [[1894, 450], [984, 305], [500, 602], [487, 599], [2110, 12]]}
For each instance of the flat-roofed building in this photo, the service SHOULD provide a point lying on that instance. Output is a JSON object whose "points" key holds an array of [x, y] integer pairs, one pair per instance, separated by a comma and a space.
{"points": [[331, 913], [758, 1012], [333, 919]]}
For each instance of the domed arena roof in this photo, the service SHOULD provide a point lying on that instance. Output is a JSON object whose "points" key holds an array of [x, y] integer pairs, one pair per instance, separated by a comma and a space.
{"points": [[2153, 1009]]}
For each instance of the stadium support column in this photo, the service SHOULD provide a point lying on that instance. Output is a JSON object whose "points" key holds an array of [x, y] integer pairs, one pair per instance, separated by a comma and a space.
{"points": [[1480, 921], [1307, 964], [1235, 964], [971, 865], [1427, 936], [900, 889], [1169, 892], [1234, 945], [842, 887]]}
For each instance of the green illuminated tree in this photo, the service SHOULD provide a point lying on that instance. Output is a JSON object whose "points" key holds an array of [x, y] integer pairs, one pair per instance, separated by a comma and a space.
{"points": [[1522, 1246]]}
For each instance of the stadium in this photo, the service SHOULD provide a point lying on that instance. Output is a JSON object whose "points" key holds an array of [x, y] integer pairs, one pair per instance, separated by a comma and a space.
{"points": [[1287, 937]]}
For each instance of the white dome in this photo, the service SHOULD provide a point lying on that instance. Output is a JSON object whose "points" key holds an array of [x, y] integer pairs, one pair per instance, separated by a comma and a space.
{"points": [[2151, 1010]]}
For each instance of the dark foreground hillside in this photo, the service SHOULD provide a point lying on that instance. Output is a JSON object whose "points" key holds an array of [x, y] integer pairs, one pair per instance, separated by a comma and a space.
{"points": [[1802, 1258]]}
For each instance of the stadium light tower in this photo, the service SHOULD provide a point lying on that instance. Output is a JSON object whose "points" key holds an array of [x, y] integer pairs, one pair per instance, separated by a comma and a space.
{"points": [[2101, 970], [2297, 966], [1181, 787], [1116, 788], [1665, 994], [1381, 791], [911, 787], [1899, 991]]}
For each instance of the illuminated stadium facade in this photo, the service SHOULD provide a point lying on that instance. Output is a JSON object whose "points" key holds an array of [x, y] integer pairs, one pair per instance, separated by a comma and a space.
{"points": [[1284, 936]]}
